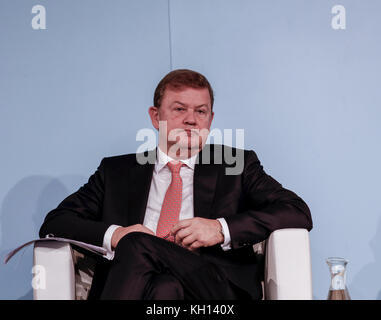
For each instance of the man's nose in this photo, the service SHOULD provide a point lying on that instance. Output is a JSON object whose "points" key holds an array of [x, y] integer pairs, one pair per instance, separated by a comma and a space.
{"points": [[190, 118]]}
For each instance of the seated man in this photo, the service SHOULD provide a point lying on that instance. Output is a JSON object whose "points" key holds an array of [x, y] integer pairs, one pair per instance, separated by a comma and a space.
{"points": [[176, 222]]}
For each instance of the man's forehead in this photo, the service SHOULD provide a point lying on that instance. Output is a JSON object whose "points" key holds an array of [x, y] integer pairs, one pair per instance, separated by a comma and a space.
{"points": [[188, 95]]}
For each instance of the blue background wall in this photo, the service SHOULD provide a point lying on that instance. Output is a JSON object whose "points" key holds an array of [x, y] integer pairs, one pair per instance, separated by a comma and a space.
{"points": [[307, 96]]}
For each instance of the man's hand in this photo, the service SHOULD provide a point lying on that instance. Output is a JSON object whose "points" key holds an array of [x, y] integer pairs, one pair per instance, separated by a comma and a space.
{"points": [[197, 232], [120, 232]]}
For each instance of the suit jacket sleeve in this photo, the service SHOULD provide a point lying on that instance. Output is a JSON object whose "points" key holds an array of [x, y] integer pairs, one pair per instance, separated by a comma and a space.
{"points": [[268, 207], [79, 215]]}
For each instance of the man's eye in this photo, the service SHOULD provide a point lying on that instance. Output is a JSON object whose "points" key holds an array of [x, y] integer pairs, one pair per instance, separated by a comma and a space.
{"points": [[179, 109], [201, 111]]}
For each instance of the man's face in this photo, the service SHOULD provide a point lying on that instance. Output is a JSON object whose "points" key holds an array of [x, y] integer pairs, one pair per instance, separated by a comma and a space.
{"points": [[188, 117]]}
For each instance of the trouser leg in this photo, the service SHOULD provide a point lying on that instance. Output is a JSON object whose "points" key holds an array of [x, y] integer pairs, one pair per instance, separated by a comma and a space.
{"points": [[163, 287], [144, 265]]}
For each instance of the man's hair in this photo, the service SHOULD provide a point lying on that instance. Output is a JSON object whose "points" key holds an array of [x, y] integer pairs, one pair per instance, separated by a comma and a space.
{"points": [[180, 79]]}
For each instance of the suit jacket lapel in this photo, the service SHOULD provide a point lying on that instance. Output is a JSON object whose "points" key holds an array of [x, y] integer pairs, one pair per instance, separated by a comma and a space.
{"points": [[204, 186], [139, 185]]}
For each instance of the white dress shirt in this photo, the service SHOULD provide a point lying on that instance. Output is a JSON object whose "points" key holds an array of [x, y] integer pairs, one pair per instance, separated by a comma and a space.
{"points": [[161, 180]]}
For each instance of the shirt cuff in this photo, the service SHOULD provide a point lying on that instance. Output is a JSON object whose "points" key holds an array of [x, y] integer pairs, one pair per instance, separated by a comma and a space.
{"points": [[107, 241], [225, 230]]}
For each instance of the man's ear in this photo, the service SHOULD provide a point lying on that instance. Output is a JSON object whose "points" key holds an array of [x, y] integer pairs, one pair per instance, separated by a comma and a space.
{"points": [[154, 115]]}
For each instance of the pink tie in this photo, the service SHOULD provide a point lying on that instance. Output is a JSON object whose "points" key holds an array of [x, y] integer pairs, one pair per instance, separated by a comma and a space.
{"points": [[171, 207]]}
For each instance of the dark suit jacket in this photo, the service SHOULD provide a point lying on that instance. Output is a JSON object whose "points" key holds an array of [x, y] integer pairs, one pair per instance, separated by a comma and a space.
{"points": [[252, 203]]}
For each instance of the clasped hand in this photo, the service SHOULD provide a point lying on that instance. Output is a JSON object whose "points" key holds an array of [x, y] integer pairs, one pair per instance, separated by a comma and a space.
{"points": [[197, 232], [191, 233]]}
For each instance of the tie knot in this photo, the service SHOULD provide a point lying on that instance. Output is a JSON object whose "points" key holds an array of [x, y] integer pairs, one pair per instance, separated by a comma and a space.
{"points": [[175, 167]]}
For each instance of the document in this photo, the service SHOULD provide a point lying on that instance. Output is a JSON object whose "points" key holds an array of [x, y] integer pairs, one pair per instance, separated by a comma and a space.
{"points": [[95, 249]]}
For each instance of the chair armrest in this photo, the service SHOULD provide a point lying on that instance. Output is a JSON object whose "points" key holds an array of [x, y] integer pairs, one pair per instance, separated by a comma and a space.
{"points": [[53, 268], [288, 265]]}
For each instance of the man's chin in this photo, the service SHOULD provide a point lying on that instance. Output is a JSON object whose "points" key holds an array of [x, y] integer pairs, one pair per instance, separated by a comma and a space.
{"points": [[186, 149]]}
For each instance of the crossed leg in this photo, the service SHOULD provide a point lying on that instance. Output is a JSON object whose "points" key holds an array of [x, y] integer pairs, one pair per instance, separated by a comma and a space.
{"points": [[148, 267]]}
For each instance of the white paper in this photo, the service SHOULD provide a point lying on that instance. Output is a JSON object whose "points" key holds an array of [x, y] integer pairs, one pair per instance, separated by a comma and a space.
{"points": [[95, 249]]}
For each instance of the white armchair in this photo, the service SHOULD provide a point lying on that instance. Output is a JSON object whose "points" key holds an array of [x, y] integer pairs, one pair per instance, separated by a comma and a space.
{"points": [[66, 274]]}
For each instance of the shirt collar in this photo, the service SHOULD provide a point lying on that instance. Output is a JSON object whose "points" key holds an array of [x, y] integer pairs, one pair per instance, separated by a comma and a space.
{"points": [[162, 159]]}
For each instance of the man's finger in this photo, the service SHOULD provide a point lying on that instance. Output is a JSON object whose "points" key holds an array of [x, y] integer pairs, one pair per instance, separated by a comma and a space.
{"points": [[187, 241], [182, 233], [181, 224], [195, 245]]}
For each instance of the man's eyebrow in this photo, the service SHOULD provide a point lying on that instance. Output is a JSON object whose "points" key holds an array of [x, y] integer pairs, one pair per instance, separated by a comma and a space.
{"points": [[185, 105]]}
